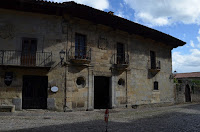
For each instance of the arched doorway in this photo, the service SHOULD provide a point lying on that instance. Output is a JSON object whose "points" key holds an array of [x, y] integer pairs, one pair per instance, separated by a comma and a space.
{"points": [[187, 93]]}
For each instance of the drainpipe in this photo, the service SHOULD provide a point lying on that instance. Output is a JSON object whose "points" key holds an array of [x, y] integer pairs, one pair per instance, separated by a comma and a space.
{"points": [[66, 109], [127, 74], [126, 89], [88, 89], [65, 85]]}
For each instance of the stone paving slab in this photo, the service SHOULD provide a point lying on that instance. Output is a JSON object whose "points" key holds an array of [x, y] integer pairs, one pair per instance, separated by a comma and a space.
{"points": [[184, 117]]}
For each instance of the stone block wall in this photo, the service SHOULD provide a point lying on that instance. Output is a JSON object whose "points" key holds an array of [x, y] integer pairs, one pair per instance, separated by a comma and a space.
{"points": [[55, 34], [180, 93]]}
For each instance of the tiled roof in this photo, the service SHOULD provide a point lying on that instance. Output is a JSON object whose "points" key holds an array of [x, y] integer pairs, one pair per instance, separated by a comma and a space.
{"points": [[187, 75], [91, 14]]}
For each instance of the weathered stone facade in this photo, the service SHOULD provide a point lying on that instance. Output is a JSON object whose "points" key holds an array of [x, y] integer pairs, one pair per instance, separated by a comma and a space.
{"points": [[56, 33], [186, 87]]}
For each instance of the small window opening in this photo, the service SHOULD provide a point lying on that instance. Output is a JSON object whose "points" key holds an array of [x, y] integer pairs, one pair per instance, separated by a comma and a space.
{"points": [[155, 85]]}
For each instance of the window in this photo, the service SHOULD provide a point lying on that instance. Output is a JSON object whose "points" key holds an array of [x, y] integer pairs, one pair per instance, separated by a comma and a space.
{"points": [[153, 59], [155, 85], [29, 48], [80, 81], [121, 82], [80, 46], [120, 53]]}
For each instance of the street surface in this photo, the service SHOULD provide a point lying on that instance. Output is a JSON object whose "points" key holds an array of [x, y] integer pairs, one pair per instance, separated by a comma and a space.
{"points": [[177, 118]]}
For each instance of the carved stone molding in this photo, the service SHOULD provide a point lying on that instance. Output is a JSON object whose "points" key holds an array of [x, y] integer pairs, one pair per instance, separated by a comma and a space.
{"points": [[102, 42], [7, 31]]}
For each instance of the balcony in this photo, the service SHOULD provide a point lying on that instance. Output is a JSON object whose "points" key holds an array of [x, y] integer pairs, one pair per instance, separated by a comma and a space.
{"points": [[79, 55], [120, 61], [25, 59], [154, 68]]}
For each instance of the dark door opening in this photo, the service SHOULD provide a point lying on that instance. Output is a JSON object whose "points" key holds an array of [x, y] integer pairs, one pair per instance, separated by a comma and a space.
{"points": [[187, 93], [34, 92], [102, 92]]}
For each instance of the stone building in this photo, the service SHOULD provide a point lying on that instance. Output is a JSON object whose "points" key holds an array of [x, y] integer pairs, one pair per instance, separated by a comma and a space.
{"points": [[68, 56], [187, 87]]}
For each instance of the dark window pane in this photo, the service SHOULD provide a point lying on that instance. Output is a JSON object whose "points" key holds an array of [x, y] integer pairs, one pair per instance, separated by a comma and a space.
{"points": [[80, 46], [120, 53], [153, 59], [155, 85]]}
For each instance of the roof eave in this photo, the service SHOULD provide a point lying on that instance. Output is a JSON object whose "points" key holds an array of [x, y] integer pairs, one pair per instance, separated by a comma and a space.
{"points": [[91, 14]]}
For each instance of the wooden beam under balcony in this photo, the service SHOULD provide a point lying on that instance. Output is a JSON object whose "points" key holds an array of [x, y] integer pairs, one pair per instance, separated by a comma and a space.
{"points": [[80, 61], [120, 67]]}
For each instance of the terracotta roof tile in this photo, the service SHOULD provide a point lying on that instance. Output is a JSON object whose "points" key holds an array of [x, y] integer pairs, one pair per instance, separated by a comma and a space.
{"points": [[187, 75]]}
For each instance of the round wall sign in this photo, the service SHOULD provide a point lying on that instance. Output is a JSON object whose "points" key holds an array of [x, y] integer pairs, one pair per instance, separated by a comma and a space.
{"points": [[54, 89]]}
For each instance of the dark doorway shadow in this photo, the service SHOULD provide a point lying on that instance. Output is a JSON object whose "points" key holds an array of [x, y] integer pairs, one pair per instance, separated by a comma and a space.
{"points": [[102, 92], [187, 93]]}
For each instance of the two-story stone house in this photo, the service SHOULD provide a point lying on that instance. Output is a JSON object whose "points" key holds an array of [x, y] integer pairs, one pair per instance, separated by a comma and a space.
{"points": [[65, 56]]}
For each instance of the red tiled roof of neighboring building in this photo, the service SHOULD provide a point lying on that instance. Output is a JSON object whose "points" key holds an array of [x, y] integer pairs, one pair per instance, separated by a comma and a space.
{"points": [[187, 75]]}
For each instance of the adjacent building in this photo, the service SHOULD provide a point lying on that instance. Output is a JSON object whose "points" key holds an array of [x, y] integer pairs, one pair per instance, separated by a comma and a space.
{"points": [[68, 56], [187, 87]]}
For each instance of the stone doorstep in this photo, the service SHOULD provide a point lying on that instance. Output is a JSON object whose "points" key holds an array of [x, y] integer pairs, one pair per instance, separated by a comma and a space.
{"points": [[7, 108]]}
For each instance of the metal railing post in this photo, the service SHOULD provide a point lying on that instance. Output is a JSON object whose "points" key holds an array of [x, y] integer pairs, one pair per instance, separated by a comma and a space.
{"points": [[51, 56], [90, 53], [45, 58], [2, 57]]}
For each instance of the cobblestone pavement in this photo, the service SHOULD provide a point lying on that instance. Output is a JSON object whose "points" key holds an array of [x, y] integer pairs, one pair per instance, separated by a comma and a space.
{"points": [[178, 118]]}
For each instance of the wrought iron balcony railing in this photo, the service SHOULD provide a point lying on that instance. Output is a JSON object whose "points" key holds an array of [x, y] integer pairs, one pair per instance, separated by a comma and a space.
{"points": [[79, 54], [19, 58], [154, 65], [120, 59], [153, 68]]}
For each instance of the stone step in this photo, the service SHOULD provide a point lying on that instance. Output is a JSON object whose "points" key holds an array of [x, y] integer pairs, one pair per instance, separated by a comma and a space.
{"points": [[7, 108]]}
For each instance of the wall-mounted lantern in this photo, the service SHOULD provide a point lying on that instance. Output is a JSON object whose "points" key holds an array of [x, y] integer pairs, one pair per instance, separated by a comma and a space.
{"points": [[62, 55]]}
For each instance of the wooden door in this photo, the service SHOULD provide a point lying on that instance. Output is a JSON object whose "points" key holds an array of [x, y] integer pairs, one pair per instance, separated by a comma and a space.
{"points": [[34, 92], [28, 55]]}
